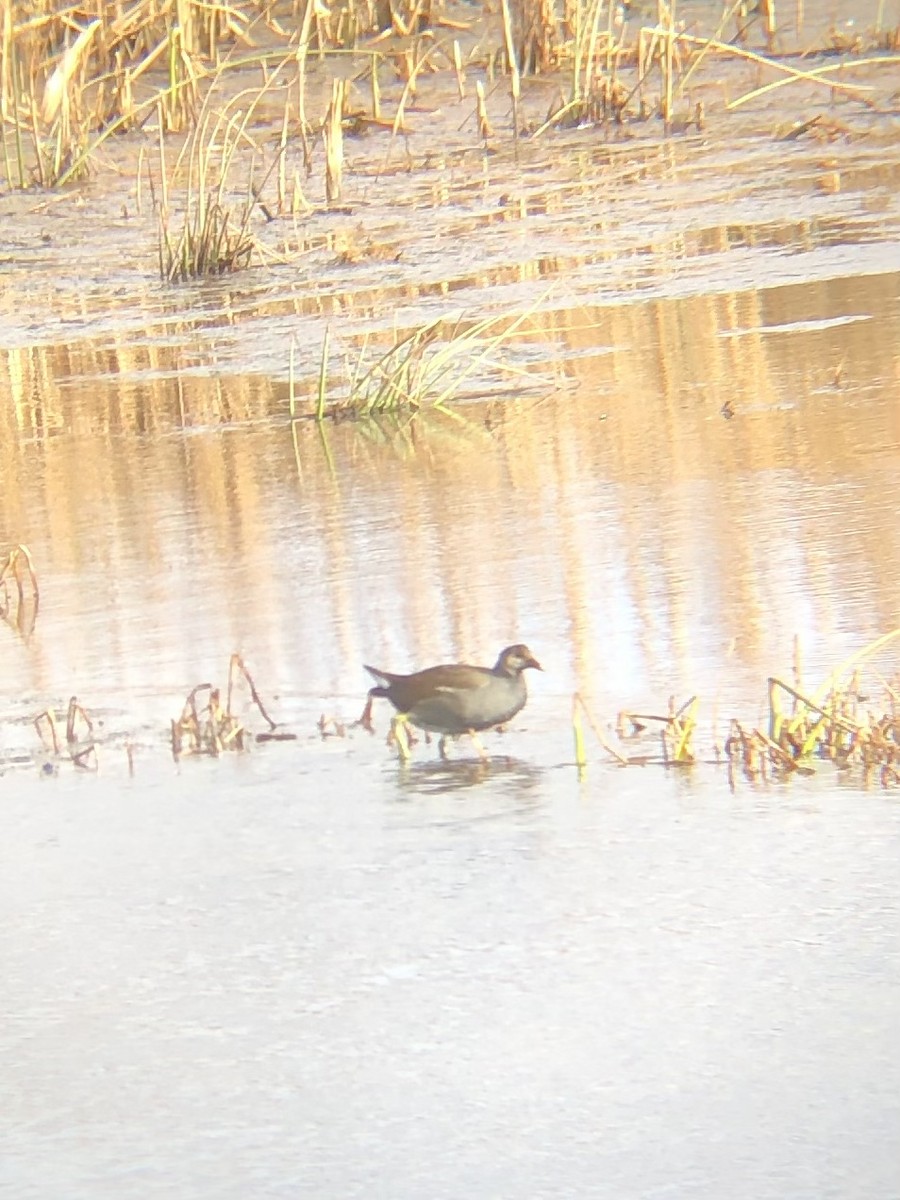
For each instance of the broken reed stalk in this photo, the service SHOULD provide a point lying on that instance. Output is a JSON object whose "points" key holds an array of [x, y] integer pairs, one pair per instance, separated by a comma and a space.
{"points": [[458, 69], [322, 390], [79, 727], [333, 133], [579, 706], [47, 721], [56, 89], [578, 732], [793, 74], [515, 82], [767, 7], [81, 755], [667, 56], [743, 749], [678, 732], [376, 86], [678, 727], [237, 668], [211, 728], [484, 125], [20, 596], [301, 57], [781, 757], [331, 727], [587, 33], [816, 76]]}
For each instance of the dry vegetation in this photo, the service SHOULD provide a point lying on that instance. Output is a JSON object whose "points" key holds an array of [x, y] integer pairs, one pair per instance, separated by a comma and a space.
{"points": [[80, 747], [75, 75], [219, 93], [19, 594], [851, 721], [207, 726], [219, 99], [423, 369]]}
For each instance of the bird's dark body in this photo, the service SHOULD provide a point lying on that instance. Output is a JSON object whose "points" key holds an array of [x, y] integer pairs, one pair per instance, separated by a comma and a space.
{"points": [[456, 698]]}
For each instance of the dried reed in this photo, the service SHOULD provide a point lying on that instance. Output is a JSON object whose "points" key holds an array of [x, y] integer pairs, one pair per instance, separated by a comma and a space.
{"points": [[213, 237], [81, 747], [206, 726], [334, 141], [19, 593]]}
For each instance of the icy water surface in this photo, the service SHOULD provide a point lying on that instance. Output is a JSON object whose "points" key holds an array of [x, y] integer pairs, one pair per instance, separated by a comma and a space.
{"points": [[311, 970], [257, 980]]}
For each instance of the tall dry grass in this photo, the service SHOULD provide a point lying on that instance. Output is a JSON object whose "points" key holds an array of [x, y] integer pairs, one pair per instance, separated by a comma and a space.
{"points": [[74, 76]]}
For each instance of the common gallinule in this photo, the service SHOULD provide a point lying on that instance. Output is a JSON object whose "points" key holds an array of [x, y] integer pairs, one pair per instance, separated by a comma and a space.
{"points": [[456, 698]]}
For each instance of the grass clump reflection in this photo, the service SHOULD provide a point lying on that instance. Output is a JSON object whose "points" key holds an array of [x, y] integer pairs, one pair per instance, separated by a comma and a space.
{"points": [[428, 367]]}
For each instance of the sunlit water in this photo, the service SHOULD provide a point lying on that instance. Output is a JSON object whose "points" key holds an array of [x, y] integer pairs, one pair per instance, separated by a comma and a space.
{"points": [[309, 970]]}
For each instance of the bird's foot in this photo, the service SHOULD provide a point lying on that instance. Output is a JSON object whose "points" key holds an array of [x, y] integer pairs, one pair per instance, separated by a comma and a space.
{"points": [[365, 717], [332, 727]]}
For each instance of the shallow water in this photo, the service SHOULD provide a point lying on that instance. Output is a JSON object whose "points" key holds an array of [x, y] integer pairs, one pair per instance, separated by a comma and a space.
{"points": [[311, 969], [640, 539]]}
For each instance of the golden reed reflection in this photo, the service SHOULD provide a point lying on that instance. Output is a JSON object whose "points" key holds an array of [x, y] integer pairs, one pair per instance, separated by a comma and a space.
{"points": [[718, 469]]}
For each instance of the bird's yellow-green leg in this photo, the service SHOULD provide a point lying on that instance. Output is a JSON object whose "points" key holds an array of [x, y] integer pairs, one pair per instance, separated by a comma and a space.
{"points": [[476, 742], [400, 735]]}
